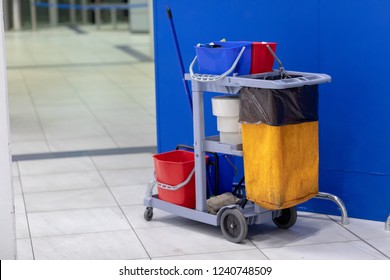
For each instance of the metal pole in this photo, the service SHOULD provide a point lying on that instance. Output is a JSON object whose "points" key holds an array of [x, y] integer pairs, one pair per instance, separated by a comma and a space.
{"points": [[84, 12], [151, 28], [16, 13], [53, 13], [7, 208], [138, 17], [6, 15], [113, 18], [339, 202], [72, 12], [199, 135], [129, 15], [98, 20], [33, 11]]}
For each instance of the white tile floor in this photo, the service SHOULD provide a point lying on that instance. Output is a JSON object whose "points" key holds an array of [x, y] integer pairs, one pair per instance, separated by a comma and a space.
{"points": [[76, 92], [58, 78]]}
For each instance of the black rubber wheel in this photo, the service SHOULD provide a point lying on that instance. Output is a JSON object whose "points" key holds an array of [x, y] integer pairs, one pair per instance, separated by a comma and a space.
{"points": [[233, 225], [148, 214], [287, 218]]}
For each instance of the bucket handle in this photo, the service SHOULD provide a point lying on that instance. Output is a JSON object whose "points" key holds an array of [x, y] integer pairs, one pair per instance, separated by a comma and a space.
{"points": [[178, 186], [212, 78], [281, 68]]}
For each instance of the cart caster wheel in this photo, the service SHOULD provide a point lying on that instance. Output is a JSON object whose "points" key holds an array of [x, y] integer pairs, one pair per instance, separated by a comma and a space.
{"points": [[233, 225], [148, 214], [287, 218]]}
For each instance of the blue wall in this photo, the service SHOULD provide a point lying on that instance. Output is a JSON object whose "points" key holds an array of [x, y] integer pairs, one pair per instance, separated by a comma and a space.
{"points": [[348, 39]]}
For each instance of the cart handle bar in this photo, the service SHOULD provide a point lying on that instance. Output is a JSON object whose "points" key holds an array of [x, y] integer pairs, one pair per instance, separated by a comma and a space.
{"points": [[212, 78], [178, 186]]}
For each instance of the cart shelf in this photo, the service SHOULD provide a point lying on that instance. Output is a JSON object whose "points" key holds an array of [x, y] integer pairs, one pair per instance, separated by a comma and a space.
{"points": [[212, 144]]}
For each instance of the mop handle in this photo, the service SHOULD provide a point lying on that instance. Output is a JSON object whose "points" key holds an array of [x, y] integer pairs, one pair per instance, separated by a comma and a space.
{"points": [[186, 88]]}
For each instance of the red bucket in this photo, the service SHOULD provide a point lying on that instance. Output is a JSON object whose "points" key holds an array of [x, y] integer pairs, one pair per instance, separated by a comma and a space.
{"points": [[262, 59], [173, 168]]}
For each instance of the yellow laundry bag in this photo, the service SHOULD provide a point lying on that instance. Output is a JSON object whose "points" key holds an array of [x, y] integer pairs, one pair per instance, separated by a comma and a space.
{"points": [[280, 163]]}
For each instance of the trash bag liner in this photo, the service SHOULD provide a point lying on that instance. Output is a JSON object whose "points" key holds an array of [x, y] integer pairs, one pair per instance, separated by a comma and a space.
{"points": [[278, 107]]}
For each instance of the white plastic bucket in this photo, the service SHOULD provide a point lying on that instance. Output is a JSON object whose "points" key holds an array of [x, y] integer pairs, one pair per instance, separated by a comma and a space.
{"points": [[226, 106], [227, 110], [230, 138], [228, 124]]}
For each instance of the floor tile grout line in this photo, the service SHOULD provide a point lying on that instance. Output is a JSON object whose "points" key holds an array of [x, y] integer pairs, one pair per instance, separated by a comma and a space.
{"points": [[121, 209], [80, 233], [96, 116], [69, 209], [68, 190], [109, 207], [89, 171], [125, 92], [140, 57], [157, 227], [61, 173], [26, 214], [73, 65], [92, 112], [215, 252], [147, 74], [312, 244], [77, 209], [361, 238], [36, 111], [259, 249], [20, 175], [83, 188], [134, 53], [86, 153]]}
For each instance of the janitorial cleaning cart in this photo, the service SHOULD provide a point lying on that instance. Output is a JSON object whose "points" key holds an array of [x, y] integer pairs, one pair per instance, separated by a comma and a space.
{"points": [[279, 130]]}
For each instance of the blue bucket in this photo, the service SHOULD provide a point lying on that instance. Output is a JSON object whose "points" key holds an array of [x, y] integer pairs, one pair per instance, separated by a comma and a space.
{"points": [[217, 60]]}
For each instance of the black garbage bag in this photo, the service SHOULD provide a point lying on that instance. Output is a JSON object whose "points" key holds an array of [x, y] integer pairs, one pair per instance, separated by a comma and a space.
{"points": [[278, 107]]}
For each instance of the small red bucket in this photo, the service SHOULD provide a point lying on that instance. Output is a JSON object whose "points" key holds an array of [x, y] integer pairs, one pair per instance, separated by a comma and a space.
{"points": [[172, 169], [262, 59]]}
